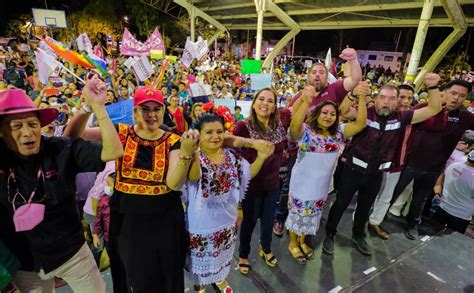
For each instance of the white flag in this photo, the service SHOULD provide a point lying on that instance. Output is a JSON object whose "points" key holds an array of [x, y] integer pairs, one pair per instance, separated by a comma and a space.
{"points": [[84, 44], [142, 68], [47, 65], [328, 60]]}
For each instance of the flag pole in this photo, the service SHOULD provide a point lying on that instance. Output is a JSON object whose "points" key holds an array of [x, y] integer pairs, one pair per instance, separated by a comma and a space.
{"points": [[75, 75]]}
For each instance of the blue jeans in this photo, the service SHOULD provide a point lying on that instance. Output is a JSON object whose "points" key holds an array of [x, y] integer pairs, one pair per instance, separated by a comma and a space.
{"points": [[282, 207], [258, 205]]}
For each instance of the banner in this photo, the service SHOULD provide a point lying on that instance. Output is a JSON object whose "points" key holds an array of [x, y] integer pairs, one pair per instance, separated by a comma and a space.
{"points": [[251, 66], [260, 81], [83, 43], [172, 58], [132, 47], [156, 54], [142, 68], [199, 89], [46, 65], [193, 50], [121, 112], [130, 62]]}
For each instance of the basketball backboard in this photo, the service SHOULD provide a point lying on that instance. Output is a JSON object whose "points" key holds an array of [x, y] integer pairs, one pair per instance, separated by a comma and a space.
{"points": [[50, 18]]}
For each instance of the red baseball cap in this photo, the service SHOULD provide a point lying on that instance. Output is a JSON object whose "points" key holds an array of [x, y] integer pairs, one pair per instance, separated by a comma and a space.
{"points": [[146, 94]]}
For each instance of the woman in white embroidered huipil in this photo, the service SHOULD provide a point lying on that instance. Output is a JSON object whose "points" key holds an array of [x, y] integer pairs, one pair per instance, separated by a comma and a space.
{"points": [[217, 183], [319, 141]]}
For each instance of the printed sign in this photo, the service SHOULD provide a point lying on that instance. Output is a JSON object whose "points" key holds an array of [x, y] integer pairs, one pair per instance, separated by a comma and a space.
{"points": [[260, 81]]}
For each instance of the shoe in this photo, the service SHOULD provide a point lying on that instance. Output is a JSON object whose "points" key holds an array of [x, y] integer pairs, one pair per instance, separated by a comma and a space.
{"points": [[224, 287], [362, 245], [379, 231], [244, 268], [308, 251], [411, 233], [200, 288], [271, 261], [297, 254], [328, 244], [278, 228]]}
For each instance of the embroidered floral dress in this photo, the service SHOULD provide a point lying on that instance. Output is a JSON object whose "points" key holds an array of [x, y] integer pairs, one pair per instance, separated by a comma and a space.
{"points": [[211, 216], [310, 180]]}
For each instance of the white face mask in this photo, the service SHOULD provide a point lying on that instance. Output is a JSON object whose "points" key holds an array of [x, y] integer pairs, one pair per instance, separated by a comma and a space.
{"points": [[109, 191]]}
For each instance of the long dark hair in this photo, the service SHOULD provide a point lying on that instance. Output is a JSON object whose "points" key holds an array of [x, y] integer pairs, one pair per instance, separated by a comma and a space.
{"points": [[313, 118], [274, 117]]}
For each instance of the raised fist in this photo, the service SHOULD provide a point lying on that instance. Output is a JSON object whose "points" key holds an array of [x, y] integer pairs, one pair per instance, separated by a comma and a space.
{"points": [[348, 54], [309, 92], [432, 79], [362, 89]]}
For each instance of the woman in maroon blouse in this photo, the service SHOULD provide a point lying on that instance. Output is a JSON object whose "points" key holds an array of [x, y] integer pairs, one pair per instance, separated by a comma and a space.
{"points": [[264, 190]]}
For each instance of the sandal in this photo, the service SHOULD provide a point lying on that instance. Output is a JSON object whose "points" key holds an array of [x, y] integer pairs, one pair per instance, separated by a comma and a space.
{"points": [[308, 251], [200, 289], [226, 289], [270, 261], [297, 254], [244, 268], [278, 228]]}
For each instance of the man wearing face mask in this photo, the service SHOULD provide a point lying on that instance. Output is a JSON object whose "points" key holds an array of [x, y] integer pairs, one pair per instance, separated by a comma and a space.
{"points": [[370, 153], [38, 215], [424, 165]]}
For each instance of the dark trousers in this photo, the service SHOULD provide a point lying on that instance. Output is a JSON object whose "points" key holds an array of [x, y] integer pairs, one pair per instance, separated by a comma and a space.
{"points": [[258, 205], [152, 247], [368, 186], [454, 223], [282, 207], [119, 277], [423, 183]]}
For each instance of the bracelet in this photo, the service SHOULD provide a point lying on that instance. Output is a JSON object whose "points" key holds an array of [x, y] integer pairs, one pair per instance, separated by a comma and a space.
{"points": [[433, 87], [86, 108], [185, 158]]}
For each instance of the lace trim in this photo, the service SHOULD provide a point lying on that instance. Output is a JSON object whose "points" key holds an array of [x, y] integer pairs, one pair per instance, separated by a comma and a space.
{"points": [[307, 225]]}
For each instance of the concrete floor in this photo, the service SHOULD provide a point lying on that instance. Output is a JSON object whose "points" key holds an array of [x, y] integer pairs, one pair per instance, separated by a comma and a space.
{"points": [[441, 263]]}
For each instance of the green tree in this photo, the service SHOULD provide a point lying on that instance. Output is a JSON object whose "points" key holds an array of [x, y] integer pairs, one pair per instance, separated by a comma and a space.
{"points": [[145, 17]]}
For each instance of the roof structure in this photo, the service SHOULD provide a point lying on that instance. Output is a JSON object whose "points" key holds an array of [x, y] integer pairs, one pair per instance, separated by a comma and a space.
{"points": [[297, 15], [330, 14]]}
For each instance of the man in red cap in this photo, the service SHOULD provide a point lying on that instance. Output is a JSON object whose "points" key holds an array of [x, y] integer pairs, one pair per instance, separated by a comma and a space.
{"points": [[38, 215], [147, 233]]}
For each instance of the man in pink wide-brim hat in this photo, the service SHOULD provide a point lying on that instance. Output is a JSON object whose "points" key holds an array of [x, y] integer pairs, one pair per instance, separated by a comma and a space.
{"points": [[39, 222]]}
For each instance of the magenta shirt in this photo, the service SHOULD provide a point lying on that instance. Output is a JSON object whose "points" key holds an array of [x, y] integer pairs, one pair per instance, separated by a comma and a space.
{"points": [[333, 92], [102, 219], [267, 179]]}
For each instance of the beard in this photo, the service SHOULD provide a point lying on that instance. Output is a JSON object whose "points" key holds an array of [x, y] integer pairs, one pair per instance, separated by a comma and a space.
{"points": [[385, 111]]}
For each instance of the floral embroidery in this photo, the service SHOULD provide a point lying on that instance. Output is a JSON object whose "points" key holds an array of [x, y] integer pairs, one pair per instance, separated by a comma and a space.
{"points": [[197, 242], [272, 135], [304, 216], [316, 143], [218, 180], [212, 244], [305, 207]]}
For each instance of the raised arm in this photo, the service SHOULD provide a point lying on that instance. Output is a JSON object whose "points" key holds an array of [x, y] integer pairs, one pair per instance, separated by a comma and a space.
{"points": [[299, 114], [357, 126], [180, 160], [355, 72], [434, 100], [95, 92]]}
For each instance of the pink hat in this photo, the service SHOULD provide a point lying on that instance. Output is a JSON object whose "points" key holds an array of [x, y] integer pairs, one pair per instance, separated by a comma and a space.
{"points": [[146, 94], [14, 101]]}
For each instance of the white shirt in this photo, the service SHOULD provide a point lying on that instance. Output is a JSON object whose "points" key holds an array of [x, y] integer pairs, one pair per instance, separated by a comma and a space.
{"points": [[458, 191], [456, 156]]}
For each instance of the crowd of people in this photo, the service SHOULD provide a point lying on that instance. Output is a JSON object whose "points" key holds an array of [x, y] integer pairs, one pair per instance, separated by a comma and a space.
{"points": [[176, 191]]}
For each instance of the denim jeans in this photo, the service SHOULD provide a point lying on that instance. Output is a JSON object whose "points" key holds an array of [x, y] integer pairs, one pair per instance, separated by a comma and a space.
{"points": [[258, 205]]}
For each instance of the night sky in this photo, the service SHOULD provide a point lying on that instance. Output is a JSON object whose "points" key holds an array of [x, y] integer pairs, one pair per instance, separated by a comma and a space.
{"points": [[307, 42]]}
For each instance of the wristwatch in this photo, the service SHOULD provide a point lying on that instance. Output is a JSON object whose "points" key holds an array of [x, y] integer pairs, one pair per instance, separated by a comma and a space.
{"points": [[86, 108]]}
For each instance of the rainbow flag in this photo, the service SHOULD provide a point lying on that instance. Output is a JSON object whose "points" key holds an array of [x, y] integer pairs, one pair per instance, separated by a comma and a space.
{"points": [[99, 64], [162, 74], [71, 56]]}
